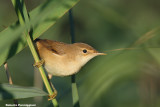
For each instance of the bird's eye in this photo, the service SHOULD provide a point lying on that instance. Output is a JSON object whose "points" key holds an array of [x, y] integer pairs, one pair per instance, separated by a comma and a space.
{"points": [[84, 51]]}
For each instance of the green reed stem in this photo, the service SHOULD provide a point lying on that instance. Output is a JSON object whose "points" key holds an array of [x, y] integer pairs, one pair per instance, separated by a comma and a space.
{"points": [[22, 14], [75, 96]]}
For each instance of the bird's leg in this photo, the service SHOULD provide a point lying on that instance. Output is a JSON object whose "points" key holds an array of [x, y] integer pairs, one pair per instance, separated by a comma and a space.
{"points": [[54, 90], [39, 64]]}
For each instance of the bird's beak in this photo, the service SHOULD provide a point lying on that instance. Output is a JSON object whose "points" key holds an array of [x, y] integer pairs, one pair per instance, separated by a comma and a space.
{"points": [[101, 53]]}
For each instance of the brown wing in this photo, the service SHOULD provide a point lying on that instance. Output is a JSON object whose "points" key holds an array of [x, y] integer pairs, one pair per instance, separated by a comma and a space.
{"points": [[54, 46]]}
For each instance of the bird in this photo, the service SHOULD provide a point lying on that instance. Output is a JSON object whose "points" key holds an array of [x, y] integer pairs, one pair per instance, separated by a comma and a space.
{"points": [[62, 59]]}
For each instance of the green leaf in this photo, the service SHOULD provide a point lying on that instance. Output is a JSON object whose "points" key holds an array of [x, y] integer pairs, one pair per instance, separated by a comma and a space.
{"points": [[41, 18], [103, 75], [8, 91], [9, 44]]}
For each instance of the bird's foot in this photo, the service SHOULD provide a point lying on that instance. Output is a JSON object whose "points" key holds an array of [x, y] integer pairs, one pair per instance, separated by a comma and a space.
{"points": [[51, 97], [39, 64]]}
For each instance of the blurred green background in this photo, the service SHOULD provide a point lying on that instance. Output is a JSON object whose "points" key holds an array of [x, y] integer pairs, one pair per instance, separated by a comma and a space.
{"points": [[128, 78]]}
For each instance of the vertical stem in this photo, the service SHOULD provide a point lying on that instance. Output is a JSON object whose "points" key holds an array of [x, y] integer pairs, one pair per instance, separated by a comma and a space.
{"points": [[72, 32], [8, 73], [22, 14], [10, 80], [75, 96]]}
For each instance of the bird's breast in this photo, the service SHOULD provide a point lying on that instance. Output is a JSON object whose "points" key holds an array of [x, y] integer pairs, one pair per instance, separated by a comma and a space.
{"points": [[60, 67]]}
